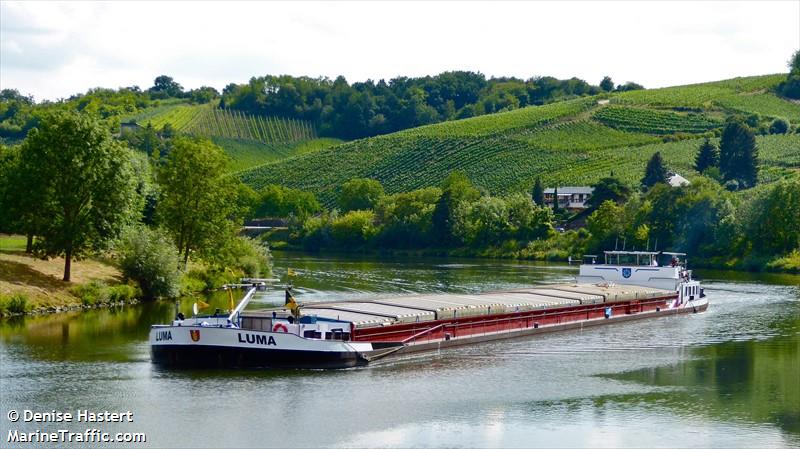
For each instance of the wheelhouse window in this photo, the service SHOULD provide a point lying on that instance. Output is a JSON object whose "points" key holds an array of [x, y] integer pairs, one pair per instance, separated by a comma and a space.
{"points": [[312, 334]]}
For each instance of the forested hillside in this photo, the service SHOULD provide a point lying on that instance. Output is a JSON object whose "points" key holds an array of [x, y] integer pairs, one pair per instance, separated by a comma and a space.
{"points": [[370, 108], [283, 112]]}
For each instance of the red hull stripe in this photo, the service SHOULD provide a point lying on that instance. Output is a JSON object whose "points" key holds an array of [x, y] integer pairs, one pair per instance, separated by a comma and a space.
{"points": [[460, 327]]}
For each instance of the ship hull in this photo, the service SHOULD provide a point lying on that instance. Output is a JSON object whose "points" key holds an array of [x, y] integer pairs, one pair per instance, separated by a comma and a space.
{"points": [[532, 332], [197, 356], [219, 347]]}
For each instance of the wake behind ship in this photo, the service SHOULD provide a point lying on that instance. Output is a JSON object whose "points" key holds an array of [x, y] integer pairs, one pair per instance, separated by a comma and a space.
{"points": [[341, 334]]}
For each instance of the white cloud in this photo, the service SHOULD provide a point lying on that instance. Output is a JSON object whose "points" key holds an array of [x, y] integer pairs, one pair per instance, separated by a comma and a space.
{"points": [[56, 49]]}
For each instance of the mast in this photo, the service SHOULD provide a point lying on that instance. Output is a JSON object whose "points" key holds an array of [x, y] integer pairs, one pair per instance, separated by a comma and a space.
{"points": [[233, 317]]}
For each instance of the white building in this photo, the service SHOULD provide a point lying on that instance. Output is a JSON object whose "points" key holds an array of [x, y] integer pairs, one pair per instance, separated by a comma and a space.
{"points": [[569, 197], [676, 180]]}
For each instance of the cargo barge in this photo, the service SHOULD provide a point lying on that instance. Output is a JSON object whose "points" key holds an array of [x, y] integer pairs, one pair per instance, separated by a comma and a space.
{"points": [[341, 334]]}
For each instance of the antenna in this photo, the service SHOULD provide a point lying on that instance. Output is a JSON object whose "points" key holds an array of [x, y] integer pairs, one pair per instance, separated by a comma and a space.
{"points": [[647, 247], [624, 239], [655, 247], [615, 243]]}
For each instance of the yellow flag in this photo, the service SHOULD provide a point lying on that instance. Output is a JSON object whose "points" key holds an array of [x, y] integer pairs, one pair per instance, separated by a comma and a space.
{"points": [[231, 305], [202, 304], [290, 272], [291, 304]]}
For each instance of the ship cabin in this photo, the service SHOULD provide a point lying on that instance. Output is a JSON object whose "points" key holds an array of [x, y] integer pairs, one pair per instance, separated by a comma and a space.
{"points": [[657, 269]]}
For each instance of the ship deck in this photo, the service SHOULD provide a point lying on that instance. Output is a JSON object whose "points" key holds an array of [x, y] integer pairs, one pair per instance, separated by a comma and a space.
{"points": [[421, 308]]}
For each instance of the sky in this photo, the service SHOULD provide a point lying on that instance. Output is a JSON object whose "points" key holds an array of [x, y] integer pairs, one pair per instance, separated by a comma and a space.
{"points": [[53, 50]]}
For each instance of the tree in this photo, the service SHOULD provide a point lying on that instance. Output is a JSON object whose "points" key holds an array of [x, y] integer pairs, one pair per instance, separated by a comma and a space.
{"points": [[526, 220], [203, 94], [707, 156], [794, 62], [456, 188], [86, 186], [19, 196], [407, 218], [654, 172], [779, 126], [538, 192], [483, 222], [164, 86], [147, 257], [738, 158], [8, 161], [198, 199], [607, 84], [605, 225], [556, 206], [608, 189], [145, 139], [279, 201], [772, 219], [629, 86], [354, 228], [360, 194], [791, 86]]}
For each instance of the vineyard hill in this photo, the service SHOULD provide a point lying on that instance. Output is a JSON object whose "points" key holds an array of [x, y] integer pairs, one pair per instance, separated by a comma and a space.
{"points": [[572, 142]]}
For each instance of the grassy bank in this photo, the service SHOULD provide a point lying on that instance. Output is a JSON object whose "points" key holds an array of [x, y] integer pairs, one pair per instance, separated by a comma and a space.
{"points": [[31, 285], [789, 263]]}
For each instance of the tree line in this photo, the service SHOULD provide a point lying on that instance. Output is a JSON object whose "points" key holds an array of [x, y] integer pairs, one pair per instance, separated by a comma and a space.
{"points": [[74, 190], [337, 108], [20, 113], [362, 109]]}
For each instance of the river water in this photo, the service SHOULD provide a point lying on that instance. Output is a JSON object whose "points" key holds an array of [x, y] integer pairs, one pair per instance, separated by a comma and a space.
{"points": [[729, 377]]}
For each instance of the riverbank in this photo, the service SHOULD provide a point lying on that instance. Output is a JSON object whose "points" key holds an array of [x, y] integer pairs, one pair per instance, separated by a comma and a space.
{"points": [[32, 285], [543, 252]]}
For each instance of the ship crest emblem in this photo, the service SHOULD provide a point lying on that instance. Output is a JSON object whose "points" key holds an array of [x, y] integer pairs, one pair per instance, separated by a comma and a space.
{"points": [[626, 273], [195, 334]]}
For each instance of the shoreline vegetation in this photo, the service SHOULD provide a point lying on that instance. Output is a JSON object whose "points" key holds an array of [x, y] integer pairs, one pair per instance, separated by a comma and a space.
{"points": [[31, 284], [789, 264], [754, 229], [125, 226]]}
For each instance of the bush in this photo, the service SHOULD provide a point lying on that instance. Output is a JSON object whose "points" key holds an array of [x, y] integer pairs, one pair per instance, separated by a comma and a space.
{"points": [[192, 282], [354, 228], [789, 263], [360, 194], [242, 253], [253, 257], [279, 201], [204, 278], [732, 185], [315, 233], [95, 292], [14, 304], [779, 126], [123, 293], [148, 257]]}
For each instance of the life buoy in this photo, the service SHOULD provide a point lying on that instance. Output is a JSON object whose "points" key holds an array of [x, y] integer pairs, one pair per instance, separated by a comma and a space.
{"points": [[280, 327]]}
